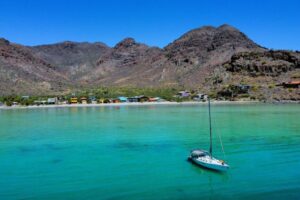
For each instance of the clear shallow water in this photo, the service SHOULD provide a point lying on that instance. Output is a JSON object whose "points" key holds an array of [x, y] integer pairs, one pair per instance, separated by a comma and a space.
{"points": [[140, 152]]}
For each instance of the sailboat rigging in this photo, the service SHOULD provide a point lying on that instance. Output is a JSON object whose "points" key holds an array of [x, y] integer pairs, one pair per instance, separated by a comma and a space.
{"points": [[204, 158], [210, 136]]}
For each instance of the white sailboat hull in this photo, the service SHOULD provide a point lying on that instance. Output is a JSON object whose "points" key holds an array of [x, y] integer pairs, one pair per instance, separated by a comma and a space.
{"points": [[211, 163]]}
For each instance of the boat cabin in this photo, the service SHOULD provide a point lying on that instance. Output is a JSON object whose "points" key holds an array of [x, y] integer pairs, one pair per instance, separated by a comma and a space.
{"points": [[199, 153]]}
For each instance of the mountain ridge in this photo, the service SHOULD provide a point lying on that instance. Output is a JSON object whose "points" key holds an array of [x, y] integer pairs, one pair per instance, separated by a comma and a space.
{"points": [[188, 62]]}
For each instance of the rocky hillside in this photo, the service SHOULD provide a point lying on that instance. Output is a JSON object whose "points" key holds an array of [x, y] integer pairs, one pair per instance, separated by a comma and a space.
{"points": [[185, 62], [209, 58], [268, 63], [21, 72], [262, 71], [128, 63], [198, 52], [198, 46], [72, 59]]}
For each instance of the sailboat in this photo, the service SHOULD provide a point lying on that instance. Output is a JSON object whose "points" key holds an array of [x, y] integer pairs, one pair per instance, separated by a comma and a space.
{"points": [[204, 158]]}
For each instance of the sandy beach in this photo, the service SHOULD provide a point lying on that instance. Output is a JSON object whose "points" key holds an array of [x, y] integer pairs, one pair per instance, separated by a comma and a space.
{"points": [[124, 104]]}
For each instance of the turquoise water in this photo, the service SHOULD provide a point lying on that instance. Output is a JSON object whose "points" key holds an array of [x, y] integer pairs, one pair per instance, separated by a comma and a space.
{"points": [[139, 152]]}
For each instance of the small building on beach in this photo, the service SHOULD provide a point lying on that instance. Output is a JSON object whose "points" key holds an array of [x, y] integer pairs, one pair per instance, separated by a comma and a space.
{"points": [[40, 102], [123, 99], [73, 100], [200, 97], [52, 100], [116, 100], [243, 88], [63, 102], [104, 101], [183, 94], [93, 99], [15, 103], [83, 100], [132, 99], [154, 99], [25, 97], [141, 98]]}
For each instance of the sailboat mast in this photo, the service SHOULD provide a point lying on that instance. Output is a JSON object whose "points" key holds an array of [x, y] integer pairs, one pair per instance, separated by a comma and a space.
{"points": [[210, 134]]}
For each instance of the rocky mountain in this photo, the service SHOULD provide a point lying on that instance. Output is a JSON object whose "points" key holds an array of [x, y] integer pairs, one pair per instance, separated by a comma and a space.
{"points": [[208, 58], [129, 63], [21, 72], [72, 59], [268, 63], [186, 61], [198, 52], [263, 71], [197, 46]]}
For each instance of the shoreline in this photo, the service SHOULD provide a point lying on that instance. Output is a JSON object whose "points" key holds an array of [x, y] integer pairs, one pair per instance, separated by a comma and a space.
{"points": [[143, 104], [126, 104]]}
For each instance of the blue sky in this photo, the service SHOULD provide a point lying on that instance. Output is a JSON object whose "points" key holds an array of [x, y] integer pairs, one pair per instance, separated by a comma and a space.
{"points": [[271, 23]]}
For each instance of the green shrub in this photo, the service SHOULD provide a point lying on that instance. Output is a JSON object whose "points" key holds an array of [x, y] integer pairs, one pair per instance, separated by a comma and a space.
{"points": [[244, 95], [271, 86], [8, 103], [296, 75], [255, 88], [213, 95]]}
